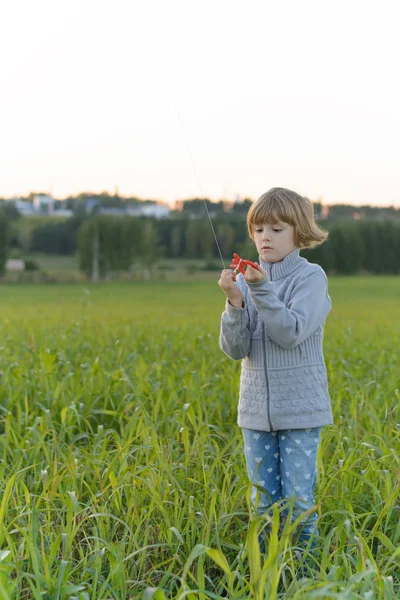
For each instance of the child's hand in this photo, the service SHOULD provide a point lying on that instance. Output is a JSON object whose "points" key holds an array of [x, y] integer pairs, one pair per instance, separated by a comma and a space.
{"points": [[227, 285], [253, 275]]}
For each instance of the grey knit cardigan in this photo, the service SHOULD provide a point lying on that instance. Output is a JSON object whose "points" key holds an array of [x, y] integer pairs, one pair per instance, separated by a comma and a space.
{"points": [[278, 334]]}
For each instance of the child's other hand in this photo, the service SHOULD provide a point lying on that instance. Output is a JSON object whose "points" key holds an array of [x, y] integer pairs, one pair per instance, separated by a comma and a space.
{"points": [[253, 275]]}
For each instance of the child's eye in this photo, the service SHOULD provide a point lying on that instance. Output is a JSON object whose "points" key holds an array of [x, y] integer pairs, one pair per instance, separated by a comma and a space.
{"points": [[258, 230]]}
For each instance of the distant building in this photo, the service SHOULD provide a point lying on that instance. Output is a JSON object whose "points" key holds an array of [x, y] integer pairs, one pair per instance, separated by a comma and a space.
{"points": [[134, 210], [112, 210], [149, 210], [24, 207], [15, 264], [62, 212], [43, 203], [90, 204]]}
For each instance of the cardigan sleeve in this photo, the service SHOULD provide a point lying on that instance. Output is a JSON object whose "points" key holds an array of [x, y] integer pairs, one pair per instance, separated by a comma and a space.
{"points": [[306, 310], [235, 337]]}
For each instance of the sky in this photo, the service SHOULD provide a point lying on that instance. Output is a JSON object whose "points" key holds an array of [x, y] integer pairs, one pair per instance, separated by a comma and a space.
{"points": [[181, 99]]}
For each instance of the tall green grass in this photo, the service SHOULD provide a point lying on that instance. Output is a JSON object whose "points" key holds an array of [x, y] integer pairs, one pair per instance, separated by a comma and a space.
{"points": [[122, 467]]}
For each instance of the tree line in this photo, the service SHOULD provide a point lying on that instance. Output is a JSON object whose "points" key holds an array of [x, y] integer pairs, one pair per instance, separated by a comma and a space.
{"points": [[108, 244]]}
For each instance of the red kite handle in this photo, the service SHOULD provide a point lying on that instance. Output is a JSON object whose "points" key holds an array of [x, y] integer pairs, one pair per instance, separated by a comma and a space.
{"points": [[239, 263]]}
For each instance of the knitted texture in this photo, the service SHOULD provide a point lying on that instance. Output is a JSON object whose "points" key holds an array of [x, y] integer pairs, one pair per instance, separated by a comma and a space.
{"points": [[278, 335]]}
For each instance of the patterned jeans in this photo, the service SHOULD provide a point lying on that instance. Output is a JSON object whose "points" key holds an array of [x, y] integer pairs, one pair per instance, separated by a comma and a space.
{"points": [[284, 463]]}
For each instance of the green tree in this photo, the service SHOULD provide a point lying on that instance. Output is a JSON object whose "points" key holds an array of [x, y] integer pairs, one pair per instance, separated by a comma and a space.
{"points": [[346, 243], [175, 241], [108, 244], [198, 206], [4, 242], [226, 239], [192, 240], [206, 240], [382, 245], [148, 251]]}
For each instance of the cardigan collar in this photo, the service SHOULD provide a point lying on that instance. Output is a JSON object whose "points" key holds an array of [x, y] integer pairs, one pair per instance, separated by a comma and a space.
{"points": [[287, 265]]}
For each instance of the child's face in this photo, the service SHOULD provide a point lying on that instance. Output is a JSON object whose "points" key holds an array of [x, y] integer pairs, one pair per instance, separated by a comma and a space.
{"points": [[280, 237]]}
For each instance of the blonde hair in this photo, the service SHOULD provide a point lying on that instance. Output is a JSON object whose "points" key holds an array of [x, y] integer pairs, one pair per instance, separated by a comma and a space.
{"points": [[281, 204]]}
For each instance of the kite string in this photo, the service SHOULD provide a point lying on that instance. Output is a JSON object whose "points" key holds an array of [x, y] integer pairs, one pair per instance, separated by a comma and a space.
{"points": [[198, 180]]}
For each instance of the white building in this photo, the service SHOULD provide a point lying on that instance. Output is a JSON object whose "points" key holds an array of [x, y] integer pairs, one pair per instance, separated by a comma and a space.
{"points": [[62, 212], [149, 210], [112, 210], [43, 203], [15, 264], [23, 207]]}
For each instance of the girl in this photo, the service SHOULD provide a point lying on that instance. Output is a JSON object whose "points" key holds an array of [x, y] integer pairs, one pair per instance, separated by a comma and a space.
{"points": [[274, 320]]}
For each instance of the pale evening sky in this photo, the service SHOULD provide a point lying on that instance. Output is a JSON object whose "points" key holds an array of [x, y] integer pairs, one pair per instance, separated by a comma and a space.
{"points": [[303, 95]]}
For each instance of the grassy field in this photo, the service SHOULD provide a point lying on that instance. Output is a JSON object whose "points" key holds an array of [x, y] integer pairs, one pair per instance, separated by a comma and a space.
{"points": [[65, 269], [122, 467]]}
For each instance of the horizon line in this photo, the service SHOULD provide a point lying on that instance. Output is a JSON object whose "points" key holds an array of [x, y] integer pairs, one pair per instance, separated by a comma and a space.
{"points": [[319, 200]]}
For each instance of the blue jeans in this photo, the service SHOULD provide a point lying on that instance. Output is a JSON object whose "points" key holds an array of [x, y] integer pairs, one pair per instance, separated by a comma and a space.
{"points": [[284, 464]]}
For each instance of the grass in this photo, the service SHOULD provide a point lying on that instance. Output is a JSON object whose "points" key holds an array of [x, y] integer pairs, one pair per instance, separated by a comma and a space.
{"points": [[122, 466], [65, 269]]}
